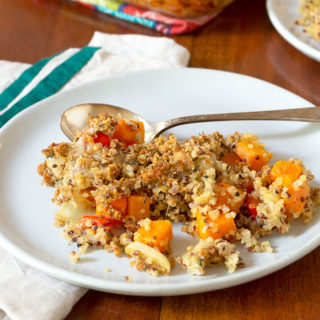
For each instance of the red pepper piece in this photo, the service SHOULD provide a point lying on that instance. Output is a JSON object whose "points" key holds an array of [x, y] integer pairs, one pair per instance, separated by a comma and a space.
{"points": [[252, 204], [100, 221], [103, 139], [250, 187]]}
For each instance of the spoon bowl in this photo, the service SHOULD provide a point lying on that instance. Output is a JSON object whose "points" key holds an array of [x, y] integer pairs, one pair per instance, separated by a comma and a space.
{"points": [[75, 118]]}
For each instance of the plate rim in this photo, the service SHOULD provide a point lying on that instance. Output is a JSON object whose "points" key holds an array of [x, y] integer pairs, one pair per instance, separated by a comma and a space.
{"points": [[296, 42], [148, 289]]}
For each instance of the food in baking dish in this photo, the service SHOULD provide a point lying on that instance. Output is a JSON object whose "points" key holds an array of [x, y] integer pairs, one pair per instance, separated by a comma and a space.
{"points": [[183, 8]]}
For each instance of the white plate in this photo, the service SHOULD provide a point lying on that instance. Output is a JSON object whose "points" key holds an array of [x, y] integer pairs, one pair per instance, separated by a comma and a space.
{"points": [[26, 211], [283, 14]]}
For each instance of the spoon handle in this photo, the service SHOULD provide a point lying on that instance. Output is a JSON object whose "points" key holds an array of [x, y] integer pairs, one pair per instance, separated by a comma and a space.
{"points": [[311, 114]]}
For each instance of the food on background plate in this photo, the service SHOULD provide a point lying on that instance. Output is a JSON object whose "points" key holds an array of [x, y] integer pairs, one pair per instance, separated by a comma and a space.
{"points": [[185, 8], [122, 195], [310, 17]]}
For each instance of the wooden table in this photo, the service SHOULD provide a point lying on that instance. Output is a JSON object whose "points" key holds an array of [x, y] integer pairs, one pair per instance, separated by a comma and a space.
{"points": [[240, 40]]}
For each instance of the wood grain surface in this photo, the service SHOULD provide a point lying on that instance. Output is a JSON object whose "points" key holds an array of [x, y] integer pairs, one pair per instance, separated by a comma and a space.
{"points": [[241, 40]]}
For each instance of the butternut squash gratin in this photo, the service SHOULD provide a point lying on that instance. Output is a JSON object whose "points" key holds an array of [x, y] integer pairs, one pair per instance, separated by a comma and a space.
{"points": [[122, 195]]}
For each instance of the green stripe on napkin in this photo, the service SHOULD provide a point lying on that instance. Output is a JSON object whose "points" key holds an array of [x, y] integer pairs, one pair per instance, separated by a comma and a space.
{"points": [[52, 82], [10, 93]]}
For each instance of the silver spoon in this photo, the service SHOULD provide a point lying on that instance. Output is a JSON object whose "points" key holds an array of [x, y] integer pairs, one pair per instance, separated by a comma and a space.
{"points": [[74, 119]]}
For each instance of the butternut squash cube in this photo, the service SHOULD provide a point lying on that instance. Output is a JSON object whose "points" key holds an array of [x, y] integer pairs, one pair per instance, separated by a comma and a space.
{"points": [[285, 173], [287, 170], [118, 204], [230, 196], [224, 223], [129, 132], [138, 206], [230, 158], [253, 153], [155, 234]]}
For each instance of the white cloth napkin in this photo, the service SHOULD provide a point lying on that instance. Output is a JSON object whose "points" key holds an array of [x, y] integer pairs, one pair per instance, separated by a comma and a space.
{"points": [[25, 293]]}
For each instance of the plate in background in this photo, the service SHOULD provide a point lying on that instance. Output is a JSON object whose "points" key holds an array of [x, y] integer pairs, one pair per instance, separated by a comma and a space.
{"points": [[27, 213], [283, 15]]}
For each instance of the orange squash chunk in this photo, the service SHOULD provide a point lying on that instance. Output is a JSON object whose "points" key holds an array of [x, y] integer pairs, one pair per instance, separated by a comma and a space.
{"points": [[230, 196], [297, 200], [129, 132], [157, 234], [138, 207], [225, 225], [230, 158], [118, 204], [121, 204], [227, 195], [290, 172], [253, 153]]}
